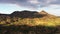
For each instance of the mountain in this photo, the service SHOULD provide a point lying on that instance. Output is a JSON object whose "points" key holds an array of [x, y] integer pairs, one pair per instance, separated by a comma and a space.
{"points": [[31, 18], [27, 14], [43, 12], [47, 15], [29, 22]]}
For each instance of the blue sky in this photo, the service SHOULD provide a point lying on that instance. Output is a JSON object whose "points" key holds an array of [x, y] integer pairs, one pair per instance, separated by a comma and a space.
{"points": [[50, 6], [9, 8]]}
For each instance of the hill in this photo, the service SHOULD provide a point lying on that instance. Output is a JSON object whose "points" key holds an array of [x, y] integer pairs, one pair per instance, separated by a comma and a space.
{"points": [[29, 22], [31, 18]]}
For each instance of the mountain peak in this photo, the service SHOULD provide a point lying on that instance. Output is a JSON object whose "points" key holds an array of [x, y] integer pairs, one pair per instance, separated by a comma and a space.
{"points": [[43, 12]]}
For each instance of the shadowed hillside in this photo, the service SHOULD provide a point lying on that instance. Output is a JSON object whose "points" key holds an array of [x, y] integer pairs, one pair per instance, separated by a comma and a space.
{"points": [[27, 14]]}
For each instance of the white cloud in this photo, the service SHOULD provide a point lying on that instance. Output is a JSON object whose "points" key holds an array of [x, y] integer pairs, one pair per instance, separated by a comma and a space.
{"points": [[34, 1]]}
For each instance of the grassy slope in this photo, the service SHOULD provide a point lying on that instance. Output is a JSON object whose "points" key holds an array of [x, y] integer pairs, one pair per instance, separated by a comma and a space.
{"points": [[30, 21]]}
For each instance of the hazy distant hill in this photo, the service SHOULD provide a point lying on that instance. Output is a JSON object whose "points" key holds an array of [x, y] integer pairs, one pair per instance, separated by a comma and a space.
{"points": [[30, 18]]}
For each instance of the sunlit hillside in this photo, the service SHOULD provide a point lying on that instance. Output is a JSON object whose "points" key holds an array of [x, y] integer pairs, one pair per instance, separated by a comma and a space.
{"points": [[31, 18]]}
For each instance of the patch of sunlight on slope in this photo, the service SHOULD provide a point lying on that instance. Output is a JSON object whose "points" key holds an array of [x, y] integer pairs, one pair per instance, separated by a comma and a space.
{"points": [[39, 22], [47, 22], [51, 24], [57, 21]]}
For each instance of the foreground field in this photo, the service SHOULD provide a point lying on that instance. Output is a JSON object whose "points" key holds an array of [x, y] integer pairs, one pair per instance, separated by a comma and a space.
{"points": [[24, 29]]}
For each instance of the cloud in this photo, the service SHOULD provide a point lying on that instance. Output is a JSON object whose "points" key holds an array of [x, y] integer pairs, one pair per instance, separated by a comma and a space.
{"points": [[22, 3], [34, 1], [34, 4]]}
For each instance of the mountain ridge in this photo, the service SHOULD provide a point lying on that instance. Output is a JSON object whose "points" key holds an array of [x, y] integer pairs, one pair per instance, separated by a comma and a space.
{"points": [[28, 13]]}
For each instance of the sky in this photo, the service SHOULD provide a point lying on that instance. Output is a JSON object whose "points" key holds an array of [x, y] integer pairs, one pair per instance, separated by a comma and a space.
{"points": [[50, 6]]}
